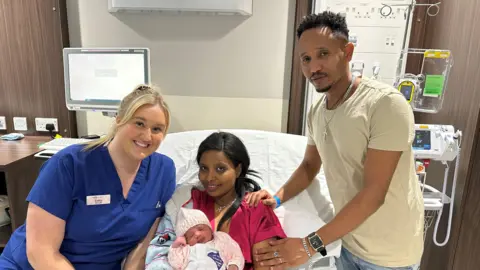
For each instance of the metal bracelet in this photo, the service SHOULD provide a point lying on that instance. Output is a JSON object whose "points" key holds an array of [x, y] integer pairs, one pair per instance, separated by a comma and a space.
{"points": [[304, 241]]}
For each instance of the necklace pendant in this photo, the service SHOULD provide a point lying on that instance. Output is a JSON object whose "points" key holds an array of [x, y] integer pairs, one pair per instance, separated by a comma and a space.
{"points": [[325, 135], [222, 207]]}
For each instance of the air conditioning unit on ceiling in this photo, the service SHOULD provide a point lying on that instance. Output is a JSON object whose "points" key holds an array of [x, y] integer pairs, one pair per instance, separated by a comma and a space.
{"points": [[217, 7]]}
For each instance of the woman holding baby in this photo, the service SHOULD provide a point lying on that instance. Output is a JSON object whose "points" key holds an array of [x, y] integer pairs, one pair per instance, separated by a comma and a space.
{"points": [[224, 174]]}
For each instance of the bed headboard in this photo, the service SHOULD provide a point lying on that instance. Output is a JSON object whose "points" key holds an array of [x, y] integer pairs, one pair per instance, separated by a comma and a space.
{"points": [[274, 155]]}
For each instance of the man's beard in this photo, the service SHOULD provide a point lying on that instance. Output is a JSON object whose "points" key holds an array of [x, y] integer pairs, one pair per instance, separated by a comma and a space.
{"points": [[328, 87], [324, 89]]}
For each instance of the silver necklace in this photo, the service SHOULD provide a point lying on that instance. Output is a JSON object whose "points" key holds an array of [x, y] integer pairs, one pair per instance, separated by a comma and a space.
{"points": [[220, 208], [345, 95]]}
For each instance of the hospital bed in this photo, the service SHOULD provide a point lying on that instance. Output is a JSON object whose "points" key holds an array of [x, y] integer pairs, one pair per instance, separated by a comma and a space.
{"points": [[275, 156]]}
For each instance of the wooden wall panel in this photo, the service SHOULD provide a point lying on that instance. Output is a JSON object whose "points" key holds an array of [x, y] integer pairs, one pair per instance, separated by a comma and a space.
{"points": [[32, 35], [456, 28], [468, 244], [298, 82]]}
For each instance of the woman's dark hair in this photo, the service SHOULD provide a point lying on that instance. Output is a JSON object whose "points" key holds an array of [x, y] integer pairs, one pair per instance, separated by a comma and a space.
{"points": [[237, 153]]}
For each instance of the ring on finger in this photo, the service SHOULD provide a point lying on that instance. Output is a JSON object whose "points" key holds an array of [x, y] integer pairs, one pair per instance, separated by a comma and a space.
{"points": [[275, 254]]}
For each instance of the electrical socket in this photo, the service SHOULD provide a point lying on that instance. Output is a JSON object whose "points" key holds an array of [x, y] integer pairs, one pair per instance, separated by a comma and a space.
{"points": [[3, 123], [40, 123], [20, 123]]}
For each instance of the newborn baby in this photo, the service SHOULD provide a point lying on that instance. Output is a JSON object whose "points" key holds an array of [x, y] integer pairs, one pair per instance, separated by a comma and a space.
{"points": [[198, 247]]}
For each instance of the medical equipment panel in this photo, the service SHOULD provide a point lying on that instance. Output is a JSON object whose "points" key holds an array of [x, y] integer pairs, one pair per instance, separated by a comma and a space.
{"points": [[422, 141], [357, 68], [384, 40], [407, 87], [385, 63], [437, 143], [378, 34], [428, 87]]}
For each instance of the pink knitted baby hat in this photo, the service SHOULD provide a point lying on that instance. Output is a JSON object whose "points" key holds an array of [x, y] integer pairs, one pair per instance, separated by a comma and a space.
{"points": [[187, 218]]}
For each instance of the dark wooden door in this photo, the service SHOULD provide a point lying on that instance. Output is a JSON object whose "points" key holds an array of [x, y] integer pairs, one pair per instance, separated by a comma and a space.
{"points": [[32, 36]]}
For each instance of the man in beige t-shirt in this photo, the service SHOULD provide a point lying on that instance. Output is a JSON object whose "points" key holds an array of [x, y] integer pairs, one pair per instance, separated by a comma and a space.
{"points": [[361, 132]]}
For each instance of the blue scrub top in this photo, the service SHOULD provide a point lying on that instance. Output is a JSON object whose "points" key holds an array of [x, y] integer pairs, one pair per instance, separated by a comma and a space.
{"points": [[96, 236]]}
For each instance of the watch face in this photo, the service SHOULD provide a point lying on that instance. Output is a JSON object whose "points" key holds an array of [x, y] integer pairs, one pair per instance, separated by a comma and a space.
{"points": [[316, 242]]}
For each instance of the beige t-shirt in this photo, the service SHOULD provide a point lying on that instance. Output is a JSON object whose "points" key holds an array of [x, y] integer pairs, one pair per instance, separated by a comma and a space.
{"points": [[375, 116]]}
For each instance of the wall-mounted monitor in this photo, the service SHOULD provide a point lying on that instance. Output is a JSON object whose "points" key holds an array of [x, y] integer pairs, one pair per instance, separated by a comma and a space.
{"points": [[97, 79]]}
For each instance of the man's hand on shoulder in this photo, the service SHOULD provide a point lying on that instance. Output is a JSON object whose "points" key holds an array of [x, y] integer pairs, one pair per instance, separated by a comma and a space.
{"points": [[261, 196]]}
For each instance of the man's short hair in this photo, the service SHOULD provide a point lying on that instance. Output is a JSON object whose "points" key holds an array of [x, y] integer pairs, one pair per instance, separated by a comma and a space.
{"points": [[333, 21]]}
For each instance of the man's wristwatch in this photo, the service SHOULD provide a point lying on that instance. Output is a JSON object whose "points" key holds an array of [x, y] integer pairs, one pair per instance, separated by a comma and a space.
{"points": [[317, 243]]}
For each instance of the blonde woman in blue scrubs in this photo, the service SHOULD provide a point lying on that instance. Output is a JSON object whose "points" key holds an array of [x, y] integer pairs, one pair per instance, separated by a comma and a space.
{"points": [[92, 204]]}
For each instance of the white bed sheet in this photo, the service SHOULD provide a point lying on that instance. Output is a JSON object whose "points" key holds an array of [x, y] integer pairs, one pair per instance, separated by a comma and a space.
{"points": [[275, 156]]}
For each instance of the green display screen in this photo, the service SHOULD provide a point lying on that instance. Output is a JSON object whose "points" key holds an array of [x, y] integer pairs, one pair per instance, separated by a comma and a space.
{"points": [[434, 85]]}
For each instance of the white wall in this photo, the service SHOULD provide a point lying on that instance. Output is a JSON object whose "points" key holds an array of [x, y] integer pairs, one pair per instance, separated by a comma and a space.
{"points": [[215, 71]]}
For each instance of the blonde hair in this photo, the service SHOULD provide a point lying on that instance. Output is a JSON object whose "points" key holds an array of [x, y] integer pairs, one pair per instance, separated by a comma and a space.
{"points": [[141, 95]]}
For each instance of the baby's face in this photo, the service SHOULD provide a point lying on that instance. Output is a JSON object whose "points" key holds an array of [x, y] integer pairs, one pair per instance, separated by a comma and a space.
{"points": [[198, 234]]}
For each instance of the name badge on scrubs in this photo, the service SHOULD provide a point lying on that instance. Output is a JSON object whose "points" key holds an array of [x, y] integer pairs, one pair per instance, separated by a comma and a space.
{"points": [[98, 199]]}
